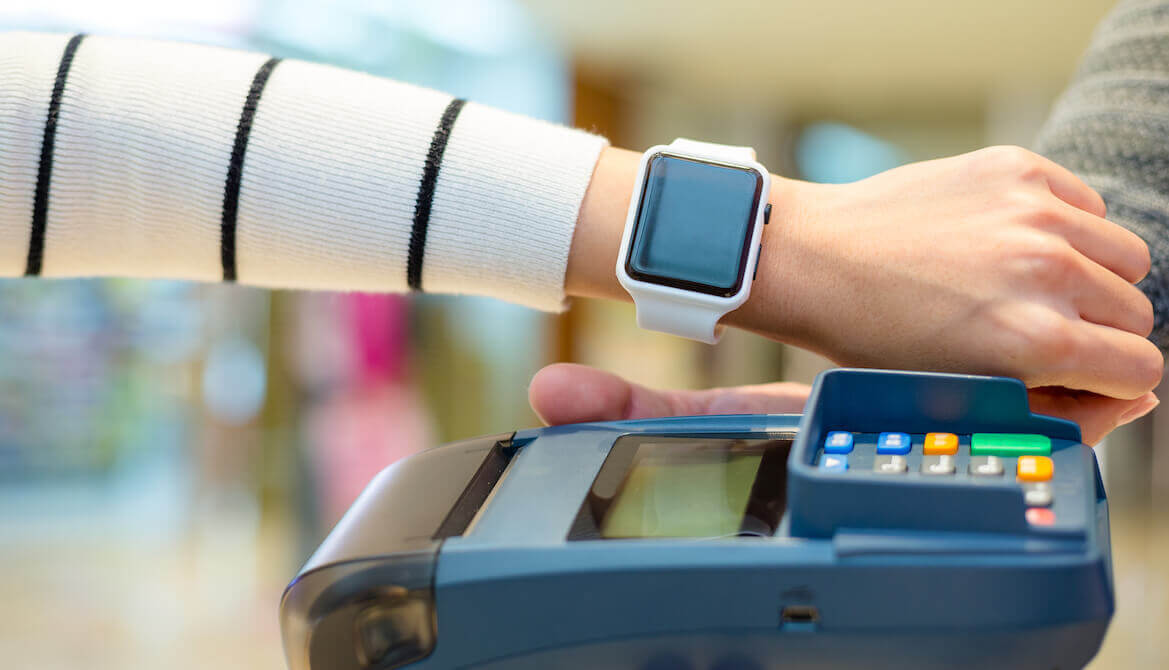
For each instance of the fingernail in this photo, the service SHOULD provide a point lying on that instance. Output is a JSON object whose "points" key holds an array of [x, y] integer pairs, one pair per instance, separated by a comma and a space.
{"points": [[1147, 404]]}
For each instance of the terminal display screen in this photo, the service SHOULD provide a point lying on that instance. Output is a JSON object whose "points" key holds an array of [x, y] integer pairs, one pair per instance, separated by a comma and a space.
{"points": [[700, 487]]}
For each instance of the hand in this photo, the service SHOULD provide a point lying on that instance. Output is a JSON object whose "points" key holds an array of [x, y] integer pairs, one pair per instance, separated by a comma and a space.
{"points": [[995, 262], [567, 393]]}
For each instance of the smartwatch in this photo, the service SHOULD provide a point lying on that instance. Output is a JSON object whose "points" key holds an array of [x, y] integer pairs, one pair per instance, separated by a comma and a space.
{"points": [[691, 242]]}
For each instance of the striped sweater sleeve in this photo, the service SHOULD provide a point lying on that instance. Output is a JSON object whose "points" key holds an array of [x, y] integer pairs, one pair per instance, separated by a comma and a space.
{"points": [[138, 158], [1111, 127]]}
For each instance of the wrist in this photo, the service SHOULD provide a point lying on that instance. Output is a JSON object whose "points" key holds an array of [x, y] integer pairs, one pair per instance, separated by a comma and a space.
{"points": [[777, 306], [599, 226]]}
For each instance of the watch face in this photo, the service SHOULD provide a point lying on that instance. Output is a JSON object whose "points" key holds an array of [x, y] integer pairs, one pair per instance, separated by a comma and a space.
{"points": [[693, 225]]}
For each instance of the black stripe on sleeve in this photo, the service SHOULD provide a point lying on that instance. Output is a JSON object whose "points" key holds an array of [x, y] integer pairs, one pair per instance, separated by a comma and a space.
{"points": [[40, 204], [235, 169], [426, 193]]}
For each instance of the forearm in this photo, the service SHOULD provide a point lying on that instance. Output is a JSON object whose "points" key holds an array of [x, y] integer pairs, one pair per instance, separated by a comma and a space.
{"points": [[180, 161], [168, 160]]}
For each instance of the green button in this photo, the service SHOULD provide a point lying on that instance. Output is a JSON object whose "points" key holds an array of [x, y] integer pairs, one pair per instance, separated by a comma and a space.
{"points": [[1009, 444]]}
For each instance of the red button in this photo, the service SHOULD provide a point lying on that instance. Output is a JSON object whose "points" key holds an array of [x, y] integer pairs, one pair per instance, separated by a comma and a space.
{"points": [[1040, 516]]}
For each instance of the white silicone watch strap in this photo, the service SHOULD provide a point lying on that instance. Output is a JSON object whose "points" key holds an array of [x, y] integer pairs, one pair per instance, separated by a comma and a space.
{"points": [[697, 322], [692, 318], [723, 151]]}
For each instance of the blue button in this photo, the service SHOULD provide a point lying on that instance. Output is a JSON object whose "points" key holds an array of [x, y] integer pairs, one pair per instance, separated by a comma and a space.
{"points": [[838, 442], [833, 463], [893, 443]]}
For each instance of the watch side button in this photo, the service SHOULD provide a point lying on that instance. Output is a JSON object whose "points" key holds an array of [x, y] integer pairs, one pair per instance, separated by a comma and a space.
{"points": [[758, 256], [767, 214]]}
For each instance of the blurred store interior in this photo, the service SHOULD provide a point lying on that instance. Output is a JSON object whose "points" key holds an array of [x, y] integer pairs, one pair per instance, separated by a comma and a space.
{"points": [[171, 452]]}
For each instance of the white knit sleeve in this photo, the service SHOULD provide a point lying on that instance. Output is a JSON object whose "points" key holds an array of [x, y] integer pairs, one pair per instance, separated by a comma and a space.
{"points": [[152, 159]]}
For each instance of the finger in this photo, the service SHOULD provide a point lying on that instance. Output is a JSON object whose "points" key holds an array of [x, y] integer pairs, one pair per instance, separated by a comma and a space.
{"points": [[1107, 299], [1107, 361], [1111, 245], [1066, 186], [774, 398], [1096, 415], [568, 393]]}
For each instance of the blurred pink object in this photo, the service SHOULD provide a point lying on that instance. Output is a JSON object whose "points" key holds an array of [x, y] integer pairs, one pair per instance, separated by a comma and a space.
{"points": [[354, 434], [381, 332], [368, 414]]}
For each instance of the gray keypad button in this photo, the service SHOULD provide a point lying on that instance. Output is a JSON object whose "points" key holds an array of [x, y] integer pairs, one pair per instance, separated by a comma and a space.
{"points": [[890, 464], [1037, 494], [986, 466], [937, 465]]}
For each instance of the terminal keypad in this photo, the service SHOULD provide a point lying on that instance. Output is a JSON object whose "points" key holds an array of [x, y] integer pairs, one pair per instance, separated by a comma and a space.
{"points": [[890, 464], [941, 456], [894, 443], [940, 444], [986, 466], [938, 465], [1037, 494], [1035, 468]]}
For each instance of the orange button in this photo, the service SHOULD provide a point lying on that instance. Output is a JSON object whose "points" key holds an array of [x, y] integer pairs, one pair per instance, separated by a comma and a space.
{"points": [[1040, 516], [1035, 468], [941, 444]]}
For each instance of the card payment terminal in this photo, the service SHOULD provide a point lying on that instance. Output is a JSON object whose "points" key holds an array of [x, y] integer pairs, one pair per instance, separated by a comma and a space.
{"points": [[906, 520]]}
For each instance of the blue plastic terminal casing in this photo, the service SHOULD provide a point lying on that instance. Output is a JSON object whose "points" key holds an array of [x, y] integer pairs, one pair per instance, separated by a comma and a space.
{"points": [[868, 401], [472, 554]]}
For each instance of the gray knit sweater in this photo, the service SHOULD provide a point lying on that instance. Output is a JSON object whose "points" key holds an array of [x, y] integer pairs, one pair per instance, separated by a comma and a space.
{"points": [[1111, 127]]}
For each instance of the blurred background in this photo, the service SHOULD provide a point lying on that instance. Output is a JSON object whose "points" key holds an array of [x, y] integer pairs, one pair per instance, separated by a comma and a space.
{"points": [[170, 452]]}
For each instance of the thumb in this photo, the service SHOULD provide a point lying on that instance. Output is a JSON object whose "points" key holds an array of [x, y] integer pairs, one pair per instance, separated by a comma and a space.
{"points": [[569, 393]]}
